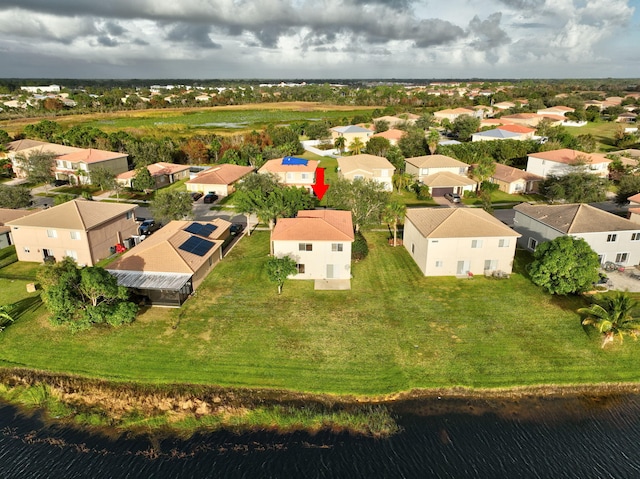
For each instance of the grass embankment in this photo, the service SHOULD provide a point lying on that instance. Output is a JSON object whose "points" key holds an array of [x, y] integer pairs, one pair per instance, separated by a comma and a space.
{"points": [[395, 331]]}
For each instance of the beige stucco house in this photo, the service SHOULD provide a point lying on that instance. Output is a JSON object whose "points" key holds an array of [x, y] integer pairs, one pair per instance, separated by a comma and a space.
{"points": [[350, 133], [77, 166], [6, 215], [163, 173], [169, 265], [614, 238], [442, 174], [83, 230], [458, 241], [564, 161], [393, 135], [292, 171], [319, 241], [514, 180], [20, 150], [221, 179], [368, 167], [452, 113]]}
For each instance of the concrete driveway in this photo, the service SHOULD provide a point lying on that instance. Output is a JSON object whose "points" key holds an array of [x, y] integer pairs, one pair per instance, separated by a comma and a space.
{"points": [[622, 281]]}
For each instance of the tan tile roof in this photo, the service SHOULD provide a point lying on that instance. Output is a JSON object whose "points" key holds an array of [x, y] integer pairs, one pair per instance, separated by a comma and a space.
{"points": [[435, 161], [522, 116], [156, 169], [457, 223], [222, 175], [8, 214], [75, 215], [568, 156], [315, 225], [635, 198], [445, 179], [276, 166], [456, 111], [161, 251], [363, 162], [516, 129], [553, 117], [509, 174], [390, 134], [27, 147], [576, 218], [91, 155], [25, 143]]}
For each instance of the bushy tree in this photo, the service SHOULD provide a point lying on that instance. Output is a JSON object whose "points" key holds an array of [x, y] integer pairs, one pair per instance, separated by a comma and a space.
{"points": [[365, 199], [4, 137], [279, 269], [45, 130], [413, 143], [39, 167], [377, 146], [103, 178], [143, 180], [81, 297], [62, 198], [565, 265], [171, 205], [629, 185], [575, 187], [14, 196], [464, 126], [318, 130]]}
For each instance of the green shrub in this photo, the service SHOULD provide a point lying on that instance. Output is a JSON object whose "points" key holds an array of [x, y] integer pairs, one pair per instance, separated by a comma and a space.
{"points": [[360, 248]]}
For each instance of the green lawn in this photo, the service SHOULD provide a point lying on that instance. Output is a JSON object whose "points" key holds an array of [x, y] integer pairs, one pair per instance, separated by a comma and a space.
{"points": [[604, 133], [502, 197], [394, 331]]}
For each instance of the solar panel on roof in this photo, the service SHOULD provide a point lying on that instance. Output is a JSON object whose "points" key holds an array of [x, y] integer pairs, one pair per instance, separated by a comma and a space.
{"points": [[197, 246], [292, 160], [200, 229]]}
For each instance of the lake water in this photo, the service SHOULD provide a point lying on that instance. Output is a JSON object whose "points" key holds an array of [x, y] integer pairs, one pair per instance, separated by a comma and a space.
{"points": [[533, 438]]}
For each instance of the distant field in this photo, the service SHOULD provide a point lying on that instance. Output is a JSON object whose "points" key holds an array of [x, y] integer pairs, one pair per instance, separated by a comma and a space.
{"points": [[604, 132], [191, 121]]}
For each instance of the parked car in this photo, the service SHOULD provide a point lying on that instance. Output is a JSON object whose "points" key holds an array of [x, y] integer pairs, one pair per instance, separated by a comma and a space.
{"points": [[210, 198], [60, 182], [195, 196], [148, 226], [452, 197], [236, 229]]}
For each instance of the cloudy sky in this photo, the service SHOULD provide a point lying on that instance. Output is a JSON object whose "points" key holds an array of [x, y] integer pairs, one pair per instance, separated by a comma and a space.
{"points": [[298, 39]]}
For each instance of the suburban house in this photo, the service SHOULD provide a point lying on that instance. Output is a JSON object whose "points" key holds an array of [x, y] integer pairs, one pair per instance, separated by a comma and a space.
{"points": [[556, 110], [629, 157], [634, 208], [442, 174], [319, 241], [163, 173], [292, 171], [350, 133], [221, 179], [394, 121], [169, 265], [458, 241], [20, 150], [514, 180], [6, 215], [614, 238], [86, 231], [528, 119], [391, 134], [525, 133], [452, 113], [495, 134], [564, 161], [370, 167], [77, 166]]}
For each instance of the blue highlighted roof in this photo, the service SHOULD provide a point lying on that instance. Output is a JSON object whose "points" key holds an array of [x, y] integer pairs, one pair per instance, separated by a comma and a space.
{"points": [[292, 160]]}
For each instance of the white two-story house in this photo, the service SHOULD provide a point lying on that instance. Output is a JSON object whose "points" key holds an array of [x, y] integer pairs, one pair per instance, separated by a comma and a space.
{"points": [[292, 171], [564, 161], [319, 241], [613, 238], [368, 167]]}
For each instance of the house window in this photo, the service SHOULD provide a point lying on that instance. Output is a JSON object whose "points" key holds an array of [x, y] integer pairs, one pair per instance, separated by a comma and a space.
{"points": [[75, 235], [305, 247], [210, 260], [438, 264], [622, 257], [503, 243], [336, 247], [413, 248], [300, 268], [611, 238], [289, 176], [490, 264], [462, 171], [52, 233], [305, 176], [26, 249], [533, 244], [476, 243], [71, 254], [129, 215], [635, 236]]}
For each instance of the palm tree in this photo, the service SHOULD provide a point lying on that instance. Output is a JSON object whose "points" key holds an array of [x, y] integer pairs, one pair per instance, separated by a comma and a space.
{"points": [[402, 180], [340, 142], [433, 138], [612, 315], [5, 317], [356, 146], [392, 214]]}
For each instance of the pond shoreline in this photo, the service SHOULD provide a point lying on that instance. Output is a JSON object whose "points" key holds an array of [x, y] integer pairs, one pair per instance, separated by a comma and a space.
{"points": [[183, 409]]}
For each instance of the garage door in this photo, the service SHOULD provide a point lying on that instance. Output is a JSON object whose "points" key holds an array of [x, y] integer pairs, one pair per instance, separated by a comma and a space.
{"points": [[441, 191]]}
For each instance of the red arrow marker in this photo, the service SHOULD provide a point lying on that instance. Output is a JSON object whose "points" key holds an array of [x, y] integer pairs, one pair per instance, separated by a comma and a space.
{"points": [[319, 187]]}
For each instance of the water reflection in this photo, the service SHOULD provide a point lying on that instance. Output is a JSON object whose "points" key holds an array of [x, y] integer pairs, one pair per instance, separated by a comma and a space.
{"points": [[580, 437]]}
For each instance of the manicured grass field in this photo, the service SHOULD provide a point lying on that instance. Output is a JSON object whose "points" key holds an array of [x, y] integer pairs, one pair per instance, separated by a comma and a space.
{"points": [[604, 133], [394, 331]]}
